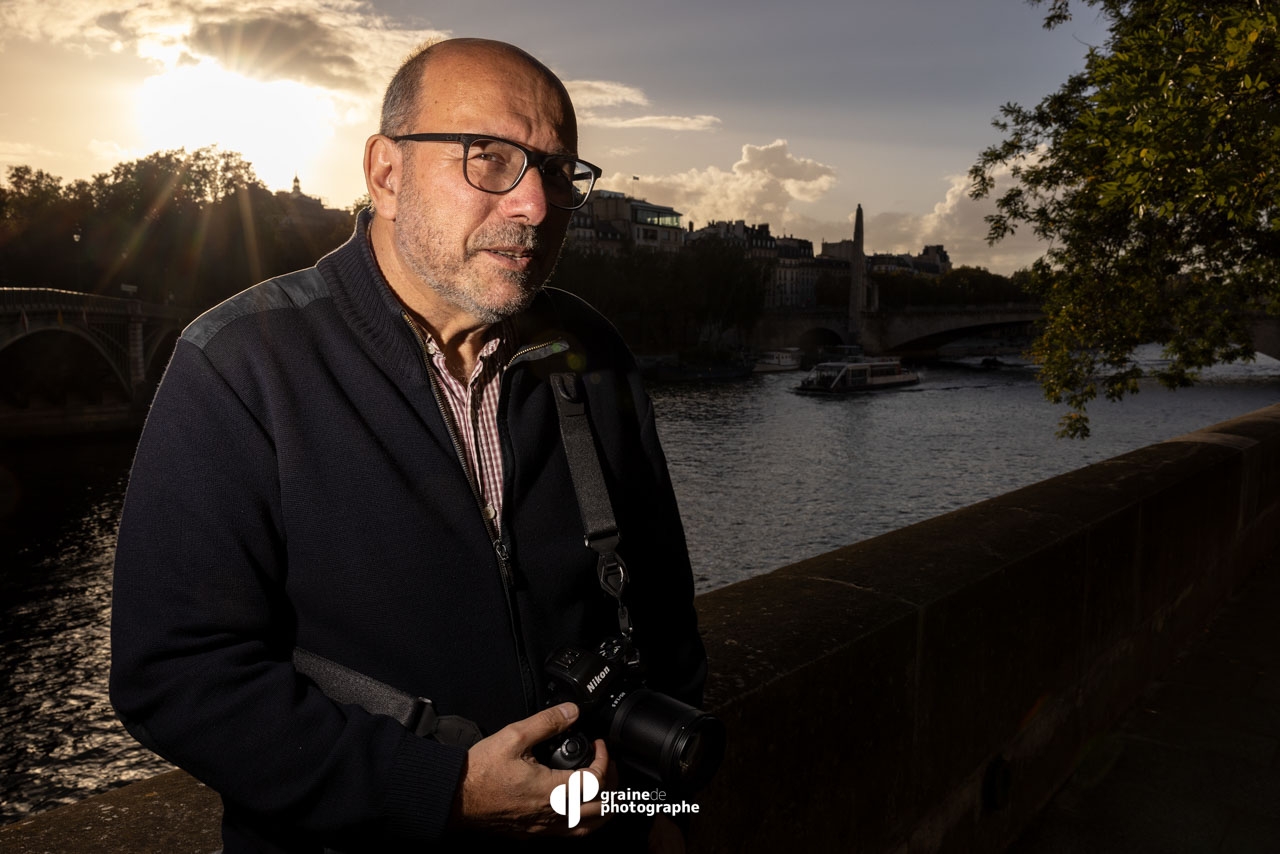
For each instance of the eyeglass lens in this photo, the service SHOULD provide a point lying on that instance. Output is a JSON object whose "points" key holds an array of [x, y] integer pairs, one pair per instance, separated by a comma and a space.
{"points": [[496, 167]]}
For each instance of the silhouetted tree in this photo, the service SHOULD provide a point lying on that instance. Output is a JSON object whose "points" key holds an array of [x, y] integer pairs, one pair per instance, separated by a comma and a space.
{"points": [[188, 227], [960, 286], [1154, 176]]}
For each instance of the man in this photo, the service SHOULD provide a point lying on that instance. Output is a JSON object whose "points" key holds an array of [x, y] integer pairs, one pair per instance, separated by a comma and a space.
{"points": [[362, 460]]}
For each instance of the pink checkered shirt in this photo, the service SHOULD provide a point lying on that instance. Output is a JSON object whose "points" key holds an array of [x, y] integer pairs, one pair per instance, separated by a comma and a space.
{"points": [[474, 407]]}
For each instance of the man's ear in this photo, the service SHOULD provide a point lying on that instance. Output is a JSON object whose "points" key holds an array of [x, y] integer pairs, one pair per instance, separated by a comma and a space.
{"points": [[382, 174]]}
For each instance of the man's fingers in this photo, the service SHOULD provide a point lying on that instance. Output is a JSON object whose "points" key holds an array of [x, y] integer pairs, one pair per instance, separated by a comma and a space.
{"points": [[600, 766], [541, 726]]}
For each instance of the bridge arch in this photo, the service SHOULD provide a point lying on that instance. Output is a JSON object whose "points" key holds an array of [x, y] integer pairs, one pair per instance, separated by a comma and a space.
{"points": [[54, 361], [71, 361], [999, 333], [916, 329], [816, 338]]}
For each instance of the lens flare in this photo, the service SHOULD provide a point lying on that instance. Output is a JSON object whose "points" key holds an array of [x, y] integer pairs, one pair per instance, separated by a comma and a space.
{"points": [[279, 126]]}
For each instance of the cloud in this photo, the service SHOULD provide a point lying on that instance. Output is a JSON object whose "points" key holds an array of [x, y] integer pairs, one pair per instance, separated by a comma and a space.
{"points": [[804, 179], [324, 44], [769, 181], [109, 151], [958, 223], [19, 152], [662, 122], [760, 187], [592, 94], [291, 45]]}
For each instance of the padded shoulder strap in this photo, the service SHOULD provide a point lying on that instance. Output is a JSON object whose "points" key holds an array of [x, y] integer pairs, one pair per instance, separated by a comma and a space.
{"points": [[418, 714]]}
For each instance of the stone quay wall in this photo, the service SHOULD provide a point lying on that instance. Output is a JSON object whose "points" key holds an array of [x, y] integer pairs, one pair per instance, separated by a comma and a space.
{"points": [[925, 690], [931, 688]]}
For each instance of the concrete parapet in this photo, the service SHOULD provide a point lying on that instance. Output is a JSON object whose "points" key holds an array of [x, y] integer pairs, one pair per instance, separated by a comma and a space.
{"points": [[168, 814], [926, 690], [930, 689]]}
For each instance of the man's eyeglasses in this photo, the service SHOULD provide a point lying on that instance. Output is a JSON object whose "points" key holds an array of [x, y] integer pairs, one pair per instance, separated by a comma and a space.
{"points": [[496, 166]]}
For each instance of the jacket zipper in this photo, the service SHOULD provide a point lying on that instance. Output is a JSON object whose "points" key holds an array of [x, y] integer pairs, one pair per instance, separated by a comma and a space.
{"points": [[497, 540], [508, 463]]}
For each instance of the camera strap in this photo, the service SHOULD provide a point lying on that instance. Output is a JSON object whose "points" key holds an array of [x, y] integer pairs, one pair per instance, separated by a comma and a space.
{"points": [[600, 529], [418, 714]]}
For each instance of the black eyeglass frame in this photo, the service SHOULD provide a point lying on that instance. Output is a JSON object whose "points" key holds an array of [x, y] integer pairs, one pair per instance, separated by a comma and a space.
{"points": [[532, 158]]}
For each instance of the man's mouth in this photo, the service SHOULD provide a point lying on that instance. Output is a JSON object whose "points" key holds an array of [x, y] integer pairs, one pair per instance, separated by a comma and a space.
{"points": [[515, 254], [513, 258], [513, 248]]}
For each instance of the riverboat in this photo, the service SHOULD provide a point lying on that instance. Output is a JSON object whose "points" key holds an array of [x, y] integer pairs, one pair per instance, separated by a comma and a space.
{"points": [[772, 361], [854, 377]]}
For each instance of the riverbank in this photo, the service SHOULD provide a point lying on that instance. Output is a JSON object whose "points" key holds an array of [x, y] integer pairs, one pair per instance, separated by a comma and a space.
{"points": [[764, 478], [937, 683]]}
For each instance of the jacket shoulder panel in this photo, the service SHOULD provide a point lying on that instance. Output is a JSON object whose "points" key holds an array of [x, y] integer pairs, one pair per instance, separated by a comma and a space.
{"points": [[293, 290]]}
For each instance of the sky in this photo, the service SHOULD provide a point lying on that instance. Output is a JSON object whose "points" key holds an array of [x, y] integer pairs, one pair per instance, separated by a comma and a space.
{"points": [[788, 113]]}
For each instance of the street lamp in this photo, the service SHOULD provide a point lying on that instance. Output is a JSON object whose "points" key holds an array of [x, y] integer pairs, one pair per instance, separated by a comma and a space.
{"points": [[75, 236]]}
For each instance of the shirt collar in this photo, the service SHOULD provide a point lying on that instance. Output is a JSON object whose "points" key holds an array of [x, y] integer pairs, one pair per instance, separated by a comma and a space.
{"points": [[500, 342]]}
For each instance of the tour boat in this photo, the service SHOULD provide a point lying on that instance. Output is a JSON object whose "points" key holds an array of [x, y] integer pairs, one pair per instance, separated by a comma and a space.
{"points": [[854, 377], [770, 361]]}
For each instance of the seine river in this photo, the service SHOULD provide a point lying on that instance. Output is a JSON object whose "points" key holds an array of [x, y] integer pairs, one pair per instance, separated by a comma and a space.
{"points": [[764, 478]]}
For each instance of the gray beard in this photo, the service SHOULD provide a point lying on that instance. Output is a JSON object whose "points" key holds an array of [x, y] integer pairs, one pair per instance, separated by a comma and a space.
{"points": [[510, 234]]}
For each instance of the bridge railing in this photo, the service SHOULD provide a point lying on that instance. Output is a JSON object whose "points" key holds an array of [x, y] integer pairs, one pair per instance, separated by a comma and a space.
{"points": [[966, 308], [52, 299]]}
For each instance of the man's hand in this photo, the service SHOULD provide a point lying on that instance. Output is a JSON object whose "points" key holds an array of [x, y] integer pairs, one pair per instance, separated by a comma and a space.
{"points": [[505, 790]]}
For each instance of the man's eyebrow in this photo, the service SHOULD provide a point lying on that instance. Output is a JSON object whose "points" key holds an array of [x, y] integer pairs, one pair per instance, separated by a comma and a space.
{"points": [[559, 151]]}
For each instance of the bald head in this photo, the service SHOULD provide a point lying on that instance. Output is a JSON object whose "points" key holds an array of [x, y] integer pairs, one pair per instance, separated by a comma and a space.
{"points": [[403, 99], [461, 255]]}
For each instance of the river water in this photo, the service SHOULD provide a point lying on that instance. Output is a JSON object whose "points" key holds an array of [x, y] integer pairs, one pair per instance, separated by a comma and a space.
{"points": [[764, 477]]}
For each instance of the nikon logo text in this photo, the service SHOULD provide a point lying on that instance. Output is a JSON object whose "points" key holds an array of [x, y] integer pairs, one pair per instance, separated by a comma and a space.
{"points": [[567, 798], [597, 679]]}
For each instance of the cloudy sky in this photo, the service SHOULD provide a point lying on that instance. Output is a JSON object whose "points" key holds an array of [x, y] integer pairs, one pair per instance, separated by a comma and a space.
{"points": [[790, 113]]}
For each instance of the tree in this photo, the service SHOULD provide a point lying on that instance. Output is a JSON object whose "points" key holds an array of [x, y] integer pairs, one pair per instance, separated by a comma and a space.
{"points": [[664, 301], [960, 286], [192, 228], [1154, 175], [37, 228], [722, 288]]}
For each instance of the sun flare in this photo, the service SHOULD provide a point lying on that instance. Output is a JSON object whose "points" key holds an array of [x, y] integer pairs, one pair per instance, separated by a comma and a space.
{"points": [[278, 126]]}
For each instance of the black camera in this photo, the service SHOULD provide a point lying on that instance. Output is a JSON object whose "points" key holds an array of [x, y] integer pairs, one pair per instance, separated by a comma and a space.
{"points": [[656, 734]]}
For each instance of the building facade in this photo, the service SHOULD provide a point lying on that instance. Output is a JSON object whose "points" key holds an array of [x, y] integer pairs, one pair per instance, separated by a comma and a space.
{"points": [[795, 277], [644, 224]]}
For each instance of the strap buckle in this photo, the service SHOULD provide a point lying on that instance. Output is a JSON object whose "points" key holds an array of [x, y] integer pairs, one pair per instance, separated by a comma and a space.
{"points": [[613, 574]]}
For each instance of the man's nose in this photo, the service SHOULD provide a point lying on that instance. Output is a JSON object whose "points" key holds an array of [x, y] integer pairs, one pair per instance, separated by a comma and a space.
{"points": [[528, 199]]}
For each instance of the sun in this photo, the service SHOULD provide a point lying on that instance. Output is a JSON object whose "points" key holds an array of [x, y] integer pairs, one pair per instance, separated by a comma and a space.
{"points": [[279, 126]]}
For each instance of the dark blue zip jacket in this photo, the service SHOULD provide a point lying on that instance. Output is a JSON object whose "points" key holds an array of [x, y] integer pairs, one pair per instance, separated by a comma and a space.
{"points": [[297, 485]]}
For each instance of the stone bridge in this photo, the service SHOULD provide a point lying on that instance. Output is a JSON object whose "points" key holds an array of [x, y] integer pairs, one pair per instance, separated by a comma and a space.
{"points": [[68, 356], [920, 331], [809, 329], [907, 330], [924, 329]]}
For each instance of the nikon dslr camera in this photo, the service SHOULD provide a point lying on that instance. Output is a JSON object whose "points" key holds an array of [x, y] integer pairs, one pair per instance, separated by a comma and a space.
{"points": [[664, 738]]}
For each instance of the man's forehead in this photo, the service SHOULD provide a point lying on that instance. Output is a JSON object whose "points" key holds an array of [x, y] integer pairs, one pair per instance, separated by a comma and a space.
{"points": [[495, 84]]}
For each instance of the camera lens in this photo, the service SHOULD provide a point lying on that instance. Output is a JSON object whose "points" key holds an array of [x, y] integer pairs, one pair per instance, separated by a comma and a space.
{"points": [[674, 742]]}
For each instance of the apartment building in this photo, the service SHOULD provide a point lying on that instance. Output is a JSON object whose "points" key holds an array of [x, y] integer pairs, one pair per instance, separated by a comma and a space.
{"points": [[646, 225]]}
